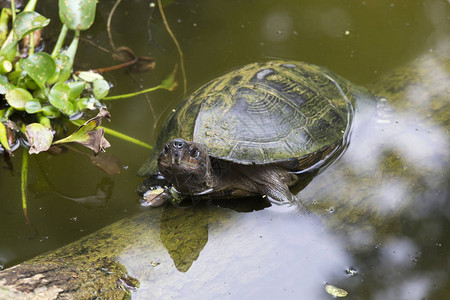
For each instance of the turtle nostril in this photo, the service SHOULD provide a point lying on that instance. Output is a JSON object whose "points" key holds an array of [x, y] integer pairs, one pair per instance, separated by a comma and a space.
{"points": [[177, 144]]}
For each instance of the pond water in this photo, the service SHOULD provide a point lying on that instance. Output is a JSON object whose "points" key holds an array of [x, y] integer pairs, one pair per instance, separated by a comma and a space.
{"points": [[380, 220]]}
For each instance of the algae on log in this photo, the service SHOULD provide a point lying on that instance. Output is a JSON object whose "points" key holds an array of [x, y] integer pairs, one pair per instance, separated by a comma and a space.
{"points": [[91, 267], [128, 256]]}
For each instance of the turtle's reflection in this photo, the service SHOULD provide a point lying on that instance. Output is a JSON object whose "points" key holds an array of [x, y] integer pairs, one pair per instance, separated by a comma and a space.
{"points": [[184, 241]]}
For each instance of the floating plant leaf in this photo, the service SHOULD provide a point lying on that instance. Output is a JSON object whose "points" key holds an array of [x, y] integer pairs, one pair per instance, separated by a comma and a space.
{"points": [[5, 86], [89, 76], [59, 97], [77, 14], [50, 111], [27, 22], [39, 137], [88, 135], [335, 291], [33, 106], [76, 88], [9, 51], [100, 88], [4, 138], [39, 66], [62, 62], [18, 97]]}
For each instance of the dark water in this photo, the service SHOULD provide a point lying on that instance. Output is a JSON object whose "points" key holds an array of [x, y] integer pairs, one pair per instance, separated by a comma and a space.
{"points": [[380, 228]]}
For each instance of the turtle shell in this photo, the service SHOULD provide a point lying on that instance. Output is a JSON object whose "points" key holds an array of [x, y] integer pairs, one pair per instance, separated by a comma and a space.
{"points": [[271, 112]]}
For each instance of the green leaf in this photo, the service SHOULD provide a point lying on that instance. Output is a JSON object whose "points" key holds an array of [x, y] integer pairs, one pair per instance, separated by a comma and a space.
{"points": [[62, 62], [76, 88], [27, 22], [5, 86], [88, 135], [89, 76], [50, 111], [39, 137], [18, 97], [41, 94], [101, 88], [33, 106], [39, 66], [77, 14], [4, 138], [4, 20], [59, 97], [170, 82], [10, 51]]}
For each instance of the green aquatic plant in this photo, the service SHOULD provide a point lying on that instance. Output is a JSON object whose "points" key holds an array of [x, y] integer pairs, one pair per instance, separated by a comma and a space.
{"points": [[40, 90]]}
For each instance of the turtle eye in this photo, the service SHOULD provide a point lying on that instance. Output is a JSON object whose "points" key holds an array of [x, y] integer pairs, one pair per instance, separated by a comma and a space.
{"points": [[165, 149], [193, 152]]}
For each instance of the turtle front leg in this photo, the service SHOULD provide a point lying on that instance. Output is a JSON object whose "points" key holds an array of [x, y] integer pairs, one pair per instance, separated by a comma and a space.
{"points": [[279, 194]]}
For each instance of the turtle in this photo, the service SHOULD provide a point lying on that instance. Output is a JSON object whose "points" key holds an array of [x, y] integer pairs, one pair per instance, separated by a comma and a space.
{"points": [[251, 132]]}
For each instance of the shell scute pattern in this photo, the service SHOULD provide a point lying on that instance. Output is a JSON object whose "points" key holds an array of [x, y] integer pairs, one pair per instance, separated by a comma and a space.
{"points": [[269, 112]]}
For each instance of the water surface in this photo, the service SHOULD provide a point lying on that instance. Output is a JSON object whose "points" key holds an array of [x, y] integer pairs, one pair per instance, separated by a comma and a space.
{"points": [[379, 227]]}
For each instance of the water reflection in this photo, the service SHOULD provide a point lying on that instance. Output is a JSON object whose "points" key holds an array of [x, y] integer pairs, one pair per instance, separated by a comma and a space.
{"points": [[378, 221], [183, 243], [45, 186], [262, 254]]}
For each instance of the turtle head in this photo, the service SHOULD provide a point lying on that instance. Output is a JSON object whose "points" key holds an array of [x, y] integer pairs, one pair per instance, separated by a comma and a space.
{"points": [[186, 165]]}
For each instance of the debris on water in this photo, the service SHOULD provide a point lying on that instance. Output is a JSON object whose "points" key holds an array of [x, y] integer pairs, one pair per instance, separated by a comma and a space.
{"points": [[154, 264], [330, 210], [335, 291], [351, 271], [150, 195]]}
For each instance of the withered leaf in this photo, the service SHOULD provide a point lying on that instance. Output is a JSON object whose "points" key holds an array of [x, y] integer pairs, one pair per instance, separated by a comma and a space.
{"points": [[39, 137], [88, 135]]}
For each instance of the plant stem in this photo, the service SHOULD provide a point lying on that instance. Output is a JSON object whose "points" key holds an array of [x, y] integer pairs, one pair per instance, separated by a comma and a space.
{"points": [[108, 24], [31, 46], [31, 5], [60, 41], [123, 96], [177, 45], [24, 183], [72, 50], [118, 135], [13, 10]]}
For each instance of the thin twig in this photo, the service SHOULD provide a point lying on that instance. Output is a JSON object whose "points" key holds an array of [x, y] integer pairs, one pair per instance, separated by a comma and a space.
{"points": [[112, 68], [180, 53], [108, 24], [96, 45]]}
